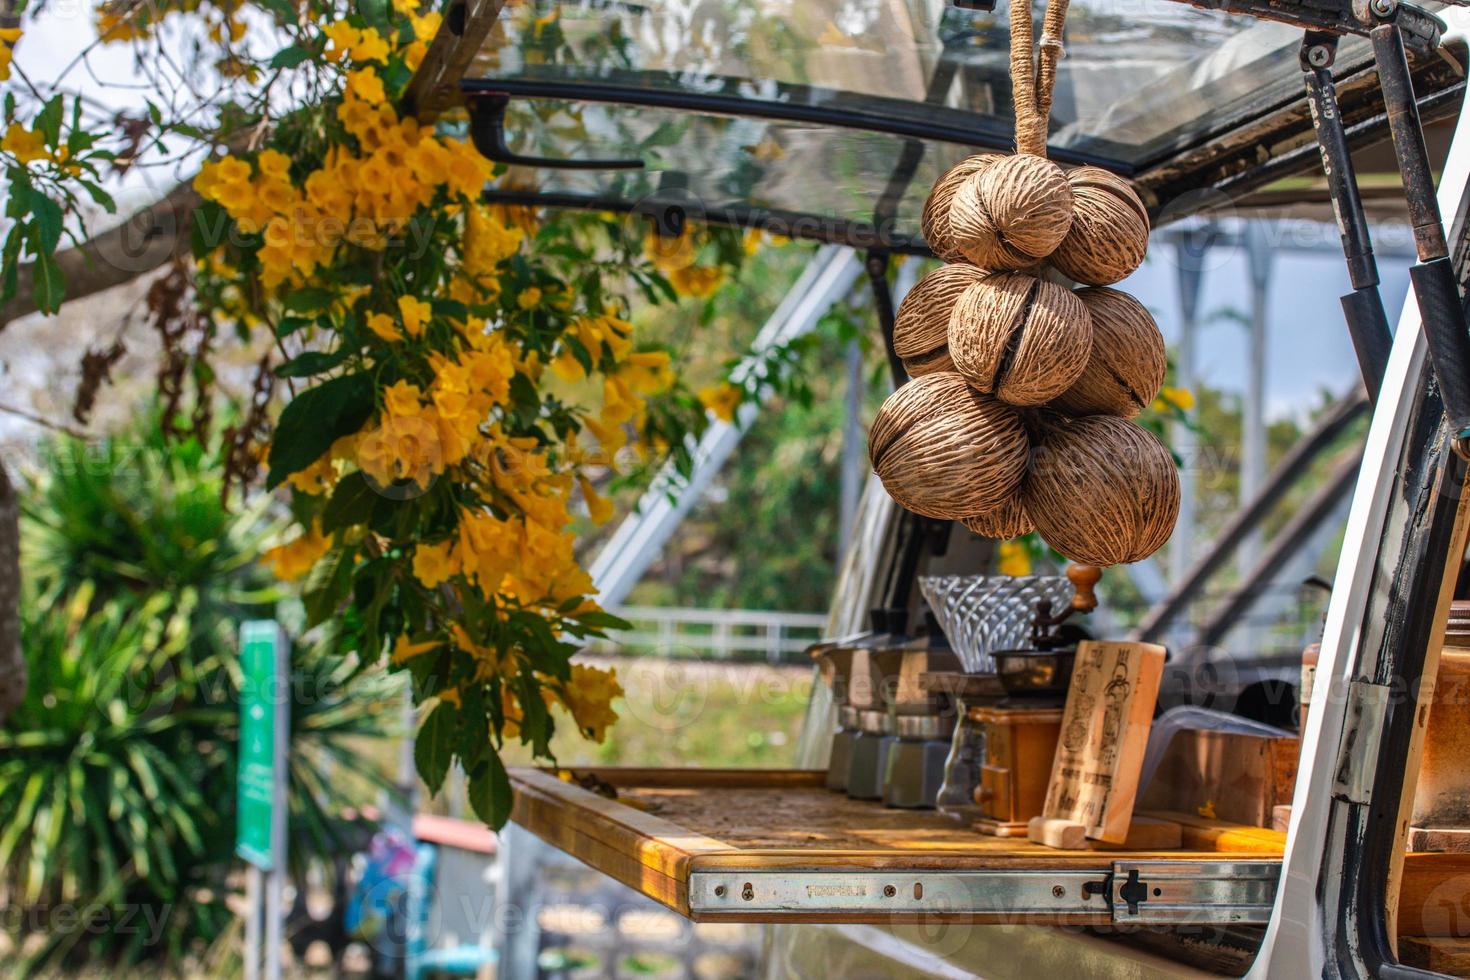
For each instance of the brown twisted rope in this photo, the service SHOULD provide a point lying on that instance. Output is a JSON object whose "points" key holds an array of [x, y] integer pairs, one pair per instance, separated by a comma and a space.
{"points": [[1031, 89], [1030, 127], [1051, 53]]}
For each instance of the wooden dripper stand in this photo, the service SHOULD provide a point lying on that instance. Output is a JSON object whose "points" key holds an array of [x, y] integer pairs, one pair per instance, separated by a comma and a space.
{"points": [[1111, 691], [1021, 728]]}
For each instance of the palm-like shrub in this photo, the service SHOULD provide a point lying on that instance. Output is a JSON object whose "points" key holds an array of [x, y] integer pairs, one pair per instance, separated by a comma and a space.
{"points": [[107, 782], [117, 774], [144, 514]]}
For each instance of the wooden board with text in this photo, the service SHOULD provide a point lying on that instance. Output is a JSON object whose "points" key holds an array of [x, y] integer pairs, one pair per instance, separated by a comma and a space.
{"points": [[1110, 707]]}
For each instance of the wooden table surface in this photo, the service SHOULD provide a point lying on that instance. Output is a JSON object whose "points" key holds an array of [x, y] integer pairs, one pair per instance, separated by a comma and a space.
{"points": [[666, 824]]}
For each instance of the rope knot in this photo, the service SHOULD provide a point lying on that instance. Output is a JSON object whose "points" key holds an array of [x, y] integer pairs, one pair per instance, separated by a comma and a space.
{"points": [[1052, 41]]}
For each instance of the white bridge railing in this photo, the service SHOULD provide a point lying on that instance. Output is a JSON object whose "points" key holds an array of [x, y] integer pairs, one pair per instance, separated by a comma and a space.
{"points": [[713, 633]]}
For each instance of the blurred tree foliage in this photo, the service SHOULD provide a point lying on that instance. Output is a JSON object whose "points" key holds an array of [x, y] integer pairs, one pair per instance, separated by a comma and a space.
{"points": [[117, 769], [765, 535]]}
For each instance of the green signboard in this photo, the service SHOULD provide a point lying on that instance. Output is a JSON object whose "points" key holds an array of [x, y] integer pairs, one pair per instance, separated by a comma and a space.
{"points": [[260, 795]]}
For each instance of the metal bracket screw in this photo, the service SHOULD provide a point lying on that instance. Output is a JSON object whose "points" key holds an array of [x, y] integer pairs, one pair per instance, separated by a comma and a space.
{"points": [[1318, 56], [1384, 8]]}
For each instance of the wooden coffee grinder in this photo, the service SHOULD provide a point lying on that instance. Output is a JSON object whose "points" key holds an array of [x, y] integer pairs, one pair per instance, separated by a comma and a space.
{"points": [[1022, 729]]}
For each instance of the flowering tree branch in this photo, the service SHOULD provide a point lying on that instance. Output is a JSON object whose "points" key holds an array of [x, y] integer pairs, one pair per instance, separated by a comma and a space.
{"points": [[145, 241]]}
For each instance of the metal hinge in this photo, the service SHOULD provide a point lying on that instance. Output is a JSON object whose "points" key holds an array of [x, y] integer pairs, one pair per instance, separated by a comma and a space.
{"points": [[1357, 753]]}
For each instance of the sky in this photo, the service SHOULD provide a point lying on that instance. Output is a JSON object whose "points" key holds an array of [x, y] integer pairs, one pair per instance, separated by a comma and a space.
{"points": [[1307, 341]]}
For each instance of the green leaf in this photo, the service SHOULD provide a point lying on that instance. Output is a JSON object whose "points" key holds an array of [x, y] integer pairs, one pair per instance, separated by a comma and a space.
{"points": [[18, 203], [449, 309], [328, 585], [602, 620], [48, 221], [79, 141], [283, 10], [48, 285], [396, 75], [424, 669], [433, 749], [375, 12], [312, 362], [209, 228], [489, 791], [308, 299], [352, 502], [474, 738], [49, 121], [536, 724], [99, 196], [10, 262], [291, 324], [290, 57], [315, 419]]}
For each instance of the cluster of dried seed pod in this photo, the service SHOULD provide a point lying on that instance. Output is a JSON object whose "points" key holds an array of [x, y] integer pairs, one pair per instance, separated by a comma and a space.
{"points": [[1017, 417], [944, 450]]}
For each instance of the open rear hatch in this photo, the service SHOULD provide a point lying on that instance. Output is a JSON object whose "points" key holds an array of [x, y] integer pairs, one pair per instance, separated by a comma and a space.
{"points": [[830, 121]]}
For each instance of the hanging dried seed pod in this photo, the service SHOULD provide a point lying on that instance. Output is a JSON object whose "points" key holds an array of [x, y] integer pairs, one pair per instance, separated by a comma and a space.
{"points": [[1109, 232], [1128, 362], [935, 221], [946, 451], [1101, 490], [921, 326], [1019, 338], [1013, 214], [1010, 520]]}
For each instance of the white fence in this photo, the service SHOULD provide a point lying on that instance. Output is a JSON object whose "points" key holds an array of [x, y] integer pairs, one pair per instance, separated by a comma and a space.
{"points": [[743, 634]]}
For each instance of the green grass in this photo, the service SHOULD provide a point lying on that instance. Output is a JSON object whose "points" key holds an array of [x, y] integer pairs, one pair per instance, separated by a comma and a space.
{"points": [[692, 714]]}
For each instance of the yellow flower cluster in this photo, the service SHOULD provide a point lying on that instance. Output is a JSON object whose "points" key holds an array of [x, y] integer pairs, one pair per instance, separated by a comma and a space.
{"points": [[421, 433], [364, 197], [1176, 398], [589, 698], [321, 476], [295, 558], [487, 242], [115, 27], [699, 281], [496, 538], [8, 37], [1013, 559], [676, 257], [722, 400], [633, 377], [26, 145], [526, 558]]}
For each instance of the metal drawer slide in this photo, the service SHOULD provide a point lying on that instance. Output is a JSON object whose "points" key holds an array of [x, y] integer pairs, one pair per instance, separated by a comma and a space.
{"points": [[1140, 892]]}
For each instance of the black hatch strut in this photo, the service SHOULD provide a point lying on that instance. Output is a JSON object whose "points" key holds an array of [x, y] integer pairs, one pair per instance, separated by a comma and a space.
{"points": [[1363, 307], [1435, 287], [1392, 27]]}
